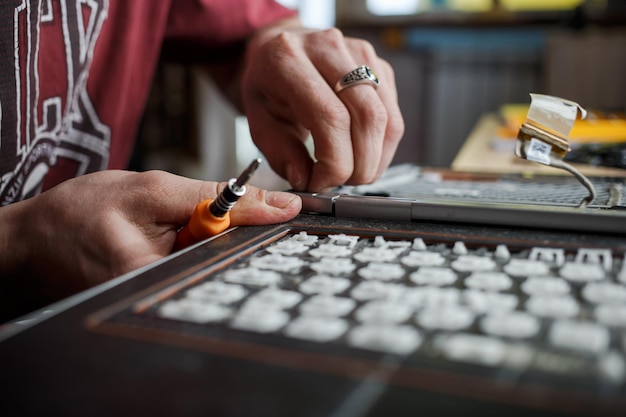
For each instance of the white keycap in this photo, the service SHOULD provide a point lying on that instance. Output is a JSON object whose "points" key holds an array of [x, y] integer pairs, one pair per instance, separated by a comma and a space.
{"points": [[549, 255], [379, 241], [418, 244], [377, 312], [333, 266], [252, 276], [327, 305], [277, 262], [611, 314], [482, 350], [518, 356], [217, 292], [526, 268], [331, 251], [382, 271], [621, 276], [193, 310], [612, 367], [429, 296], [398, 245], [343, 240], [604, 293], [376, 255], [261, 320], [515, 324], [483, 302], [421, 258], [317, 329], [430, 275], [602, 257], [376, 290], [401, 340], [545, 286], [459, 248], [553, 306], [579, 272], [502, 253], [445, 318], [471, 263], [288, 247], [275, 298], [581, 336], [324, 284], [489, 281], [305, 238]]}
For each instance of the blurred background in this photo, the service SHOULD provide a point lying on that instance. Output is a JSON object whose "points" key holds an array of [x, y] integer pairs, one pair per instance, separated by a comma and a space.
{"points": [[455, 61]]}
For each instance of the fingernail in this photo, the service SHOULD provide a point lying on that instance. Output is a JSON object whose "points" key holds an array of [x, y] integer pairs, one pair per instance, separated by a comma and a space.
{"points": [[279, 199]]}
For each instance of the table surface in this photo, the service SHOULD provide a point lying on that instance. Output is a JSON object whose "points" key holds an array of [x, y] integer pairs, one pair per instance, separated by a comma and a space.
{"points": [[479, 155]]}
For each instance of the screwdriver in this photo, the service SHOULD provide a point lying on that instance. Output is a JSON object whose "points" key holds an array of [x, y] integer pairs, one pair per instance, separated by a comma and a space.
{"points": [[211, 217]]}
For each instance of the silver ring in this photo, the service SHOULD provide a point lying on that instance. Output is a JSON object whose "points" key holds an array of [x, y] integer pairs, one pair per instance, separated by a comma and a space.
{"points": [[361, 75]]}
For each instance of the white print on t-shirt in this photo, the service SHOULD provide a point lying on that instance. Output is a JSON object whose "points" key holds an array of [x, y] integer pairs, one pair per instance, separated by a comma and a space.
{"points": [[37, 131]]}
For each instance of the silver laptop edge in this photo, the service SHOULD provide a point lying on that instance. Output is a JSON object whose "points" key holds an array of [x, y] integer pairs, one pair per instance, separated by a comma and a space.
{"points": [[483, 213]]}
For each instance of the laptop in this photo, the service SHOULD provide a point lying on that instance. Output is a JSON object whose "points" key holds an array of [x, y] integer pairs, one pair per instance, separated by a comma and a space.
{"points": [[574, 203], [409, 192]]}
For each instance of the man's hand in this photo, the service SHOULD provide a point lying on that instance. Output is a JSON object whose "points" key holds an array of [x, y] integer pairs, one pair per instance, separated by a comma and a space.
{"points": [[288, 91], [98, 226]]}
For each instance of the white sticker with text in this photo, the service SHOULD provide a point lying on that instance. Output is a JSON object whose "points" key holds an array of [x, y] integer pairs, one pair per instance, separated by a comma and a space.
{"points": [[538, 151]]}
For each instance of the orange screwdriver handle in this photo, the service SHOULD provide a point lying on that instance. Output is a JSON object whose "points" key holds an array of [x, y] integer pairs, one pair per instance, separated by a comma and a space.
{"points": [[202, 225]]}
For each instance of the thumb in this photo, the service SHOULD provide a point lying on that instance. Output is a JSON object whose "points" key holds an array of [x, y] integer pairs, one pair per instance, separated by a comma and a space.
{"points": [[176, 197], [256, 207], [259, 206]]}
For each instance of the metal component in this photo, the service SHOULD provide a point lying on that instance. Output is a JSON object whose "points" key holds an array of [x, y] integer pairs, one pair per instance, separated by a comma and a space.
{"points": [[234, 191], [543, 136], [246, 175]]}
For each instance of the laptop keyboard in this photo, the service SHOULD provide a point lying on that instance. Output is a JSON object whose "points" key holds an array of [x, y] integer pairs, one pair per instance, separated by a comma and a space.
{"points": [[559, 191], [411, 181], [543, 310]]}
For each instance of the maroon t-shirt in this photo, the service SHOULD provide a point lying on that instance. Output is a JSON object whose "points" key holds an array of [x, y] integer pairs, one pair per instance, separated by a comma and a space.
{"points": [[75, 74]]}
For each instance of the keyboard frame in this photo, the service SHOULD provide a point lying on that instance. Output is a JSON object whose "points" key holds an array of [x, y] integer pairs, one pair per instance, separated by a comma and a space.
{"points": [[441, 376], [95, 353]]}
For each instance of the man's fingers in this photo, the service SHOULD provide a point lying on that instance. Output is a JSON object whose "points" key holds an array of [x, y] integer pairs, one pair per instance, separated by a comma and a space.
{"points": [[366, 114], [387, 125], [355, 131], [394, 128], [313, 105], [281, 141]]}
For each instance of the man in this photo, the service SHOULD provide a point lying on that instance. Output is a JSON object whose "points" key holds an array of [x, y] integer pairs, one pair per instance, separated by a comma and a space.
{"points": [[74, 76]]}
